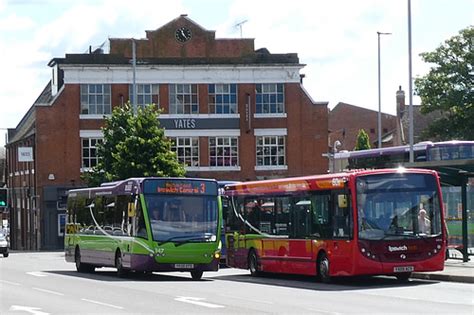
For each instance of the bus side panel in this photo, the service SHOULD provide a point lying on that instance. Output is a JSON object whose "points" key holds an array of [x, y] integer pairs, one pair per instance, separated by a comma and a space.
{"points": [[299, 257], [270, 261]]}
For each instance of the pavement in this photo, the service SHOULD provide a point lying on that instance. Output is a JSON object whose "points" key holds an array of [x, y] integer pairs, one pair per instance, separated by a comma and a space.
{"points": [[454, 270]]}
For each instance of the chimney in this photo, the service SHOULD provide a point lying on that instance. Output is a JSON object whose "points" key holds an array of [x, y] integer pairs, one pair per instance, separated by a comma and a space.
{"points": [[400, 102]]}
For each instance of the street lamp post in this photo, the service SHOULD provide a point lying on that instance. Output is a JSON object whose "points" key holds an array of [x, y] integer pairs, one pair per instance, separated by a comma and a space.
{"points": [[379, 116]]}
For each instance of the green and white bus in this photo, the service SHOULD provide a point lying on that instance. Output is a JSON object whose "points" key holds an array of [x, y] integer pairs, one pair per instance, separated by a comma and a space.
{"points": [[145, 225]]}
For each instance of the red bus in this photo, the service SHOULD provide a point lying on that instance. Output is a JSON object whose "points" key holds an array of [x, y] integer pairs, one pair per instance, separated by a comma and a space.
{"points": [[346, 224]]}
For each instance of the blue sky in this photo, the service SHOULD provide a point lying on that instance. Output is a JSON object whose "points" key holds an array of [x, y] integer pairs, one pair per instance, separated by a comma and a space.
{"points": [[337, 40]]}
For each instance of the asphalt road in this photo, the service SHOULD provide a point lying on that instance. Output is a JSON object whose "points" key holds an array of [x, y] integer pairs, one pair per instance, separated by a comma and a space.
{"points": [[43, 283]]}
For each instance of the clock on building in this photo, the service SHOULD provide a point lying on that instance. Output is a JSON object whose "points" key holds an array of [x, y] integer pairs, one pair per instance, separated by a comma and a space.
{"points": [[183, 34]]}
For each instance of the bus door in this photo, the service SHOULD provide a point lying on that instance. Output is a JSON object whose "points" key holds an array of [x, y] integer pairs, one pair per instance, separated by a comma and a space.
{"points": [[300, 246], [236, 255], [340, 246]]}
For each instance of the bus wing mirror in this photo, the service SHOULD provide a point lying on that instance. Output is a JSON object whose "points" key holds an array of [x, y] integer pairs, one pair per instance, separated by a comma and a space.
{"points": [[131, 209], [342, 201]]}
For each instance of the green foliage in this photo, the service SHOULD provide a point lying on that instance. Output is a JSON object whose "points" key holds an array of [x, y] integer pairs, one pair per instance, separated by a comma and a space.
{"points": [[448, 88], [134, 146], [363, 142]]}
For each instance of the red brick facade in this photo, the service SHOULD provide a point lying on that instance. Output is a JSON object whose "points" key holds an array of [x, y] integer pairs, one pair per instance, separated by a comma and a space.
{"points": [[162, 60]]}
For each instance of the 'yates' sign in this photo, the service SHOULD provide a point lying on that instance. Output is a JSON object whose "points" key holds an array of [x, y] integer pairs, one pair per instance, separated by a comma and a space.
{"points": [[200, 123]]}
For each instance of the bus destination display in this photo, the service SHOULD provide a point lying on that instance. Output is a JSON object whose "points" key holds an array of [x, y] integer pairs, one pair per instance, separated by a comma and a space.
{"points": [[180, 187]]}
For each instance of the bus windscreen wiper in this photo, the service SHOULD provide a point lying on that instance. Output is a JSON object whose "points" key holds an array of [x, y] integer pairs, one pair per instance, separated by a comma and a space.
{"points": [[186, 238]]}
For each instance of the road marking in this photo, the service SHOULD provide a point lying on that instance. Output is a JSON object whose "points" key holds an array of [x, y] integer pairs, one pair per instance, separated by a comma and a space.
{"points": [[37, 274], [104, 304], [245, 299], [28, 309], [48, 291], [322, 311], [196, 301], [9, 282]]}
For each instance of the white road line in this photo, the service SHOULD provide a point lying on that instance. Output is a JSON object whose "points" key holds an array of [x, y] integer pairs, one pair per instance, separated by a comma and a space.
{"points": [[245, 299], [9, 282], [321, 311], [196, 301], [48, 291], [104, 304], [37, 274]]}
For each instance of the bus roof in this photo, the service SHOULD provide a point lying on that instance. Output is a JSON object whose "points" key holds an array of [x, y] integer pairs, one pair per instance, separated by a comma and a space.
{"points": [[421, 146], [127, 186], [311, 182]]}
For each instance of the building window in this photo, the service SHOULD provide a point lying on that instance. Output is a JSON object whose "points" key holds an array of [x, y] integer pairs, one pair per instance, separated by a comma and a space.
{"points": [[222, 98], [270, 99], [187, 150], [183, 99], [95, 99], [223, 151], [89, 152], [146, 94], [271, 151]]}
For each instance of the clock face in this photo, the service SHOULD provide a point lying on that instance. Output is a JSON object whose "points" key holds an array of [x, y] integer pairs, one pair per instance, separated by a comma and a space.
{"points": [[183, 34]]}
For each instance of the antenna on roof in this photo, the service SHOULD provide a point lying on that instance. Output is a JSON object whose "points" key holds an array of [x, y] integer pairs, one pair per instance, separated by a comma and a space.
{"points": [[239, 25]]}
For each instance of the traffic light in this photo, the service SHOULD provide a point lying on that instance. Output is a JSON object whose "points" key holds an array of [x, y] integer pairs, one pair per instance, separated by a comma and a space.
{"points": [[3, 197]]}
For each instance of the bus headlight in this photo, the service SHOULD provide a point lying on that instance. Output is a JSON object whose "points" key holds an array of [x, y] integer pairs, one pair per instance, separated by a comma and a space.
{"points": [[217, 255]]}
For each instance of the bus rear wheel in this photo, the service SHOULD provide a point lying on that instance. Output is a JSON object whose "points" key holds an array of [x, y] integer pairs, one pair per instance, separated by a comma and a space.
{"points": [[196, 274], [121, 271], [323, 268], [253, 264]]}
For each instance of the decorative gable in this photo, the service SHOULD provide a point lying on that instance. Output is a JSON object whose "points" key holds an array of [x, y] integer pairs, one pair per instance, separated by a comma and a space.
{"points": [[183, 38]]}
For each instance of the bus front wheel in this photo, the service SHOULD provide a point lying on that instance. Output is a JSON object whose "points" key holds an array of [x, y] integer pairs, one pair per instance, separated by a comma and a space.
{"points": [[80, 266], [403, 276], [323, 268], [196, 274]]}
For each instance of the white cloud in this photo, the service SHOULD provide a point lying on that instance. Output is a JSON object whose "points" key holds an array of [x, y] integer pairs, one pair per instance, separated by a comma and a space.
{"points": [[336, 39]]}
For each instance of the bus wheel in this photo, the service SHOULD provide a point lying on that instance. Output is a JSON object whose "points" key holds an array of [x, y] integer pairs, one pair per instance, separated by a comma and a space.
{"points": [[323, 269], [253, 264], [196, 274], [81, 267], [121, 271], [403, 276], [5, 254]]}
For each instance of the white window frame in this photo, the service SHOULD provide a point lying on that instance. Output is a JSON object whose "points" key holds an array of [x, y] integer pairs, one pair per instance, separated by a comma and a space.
{"points": [[183, 98], [146, 94], [222, 90], [224, 144], [189, 146], [102, 99], [89, 157], [267, 91], [268, 145]]}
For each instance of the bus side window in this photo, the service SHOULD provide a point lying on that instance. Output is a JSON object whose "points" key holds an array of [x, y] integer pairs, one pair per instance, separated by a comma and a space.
{"points": [[282, 216], [321, 221], [342, 217]]}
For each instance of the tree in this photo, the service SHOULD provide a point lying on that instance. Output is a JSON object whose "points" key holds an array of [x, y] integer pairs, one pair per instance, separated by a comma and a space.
{"points": [[448, 88], [134, 146], [363, 142]]}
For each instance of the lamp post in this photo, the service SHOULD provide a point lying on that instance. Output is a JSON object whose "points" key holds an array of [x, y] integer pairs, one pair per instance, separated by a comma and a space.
{"points": [[379, 117], [410, 88]]}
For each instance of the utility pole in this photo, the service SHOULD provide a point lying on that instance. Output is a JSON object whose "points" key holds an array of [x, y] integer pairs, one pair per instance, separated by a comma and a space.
{"points": [[134, 84], [410, 87]]}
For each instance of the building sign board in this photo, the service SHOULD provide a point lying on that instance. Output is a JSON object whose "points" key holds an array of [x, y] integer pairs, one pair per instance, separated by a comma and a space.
{"points": [[25, 154]]}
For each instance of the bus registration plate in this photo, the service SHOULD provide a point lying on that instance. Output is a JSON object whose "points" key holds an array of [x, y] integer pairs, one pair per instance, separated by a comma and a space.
{"points": [[184, 266], [403, 269]]}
